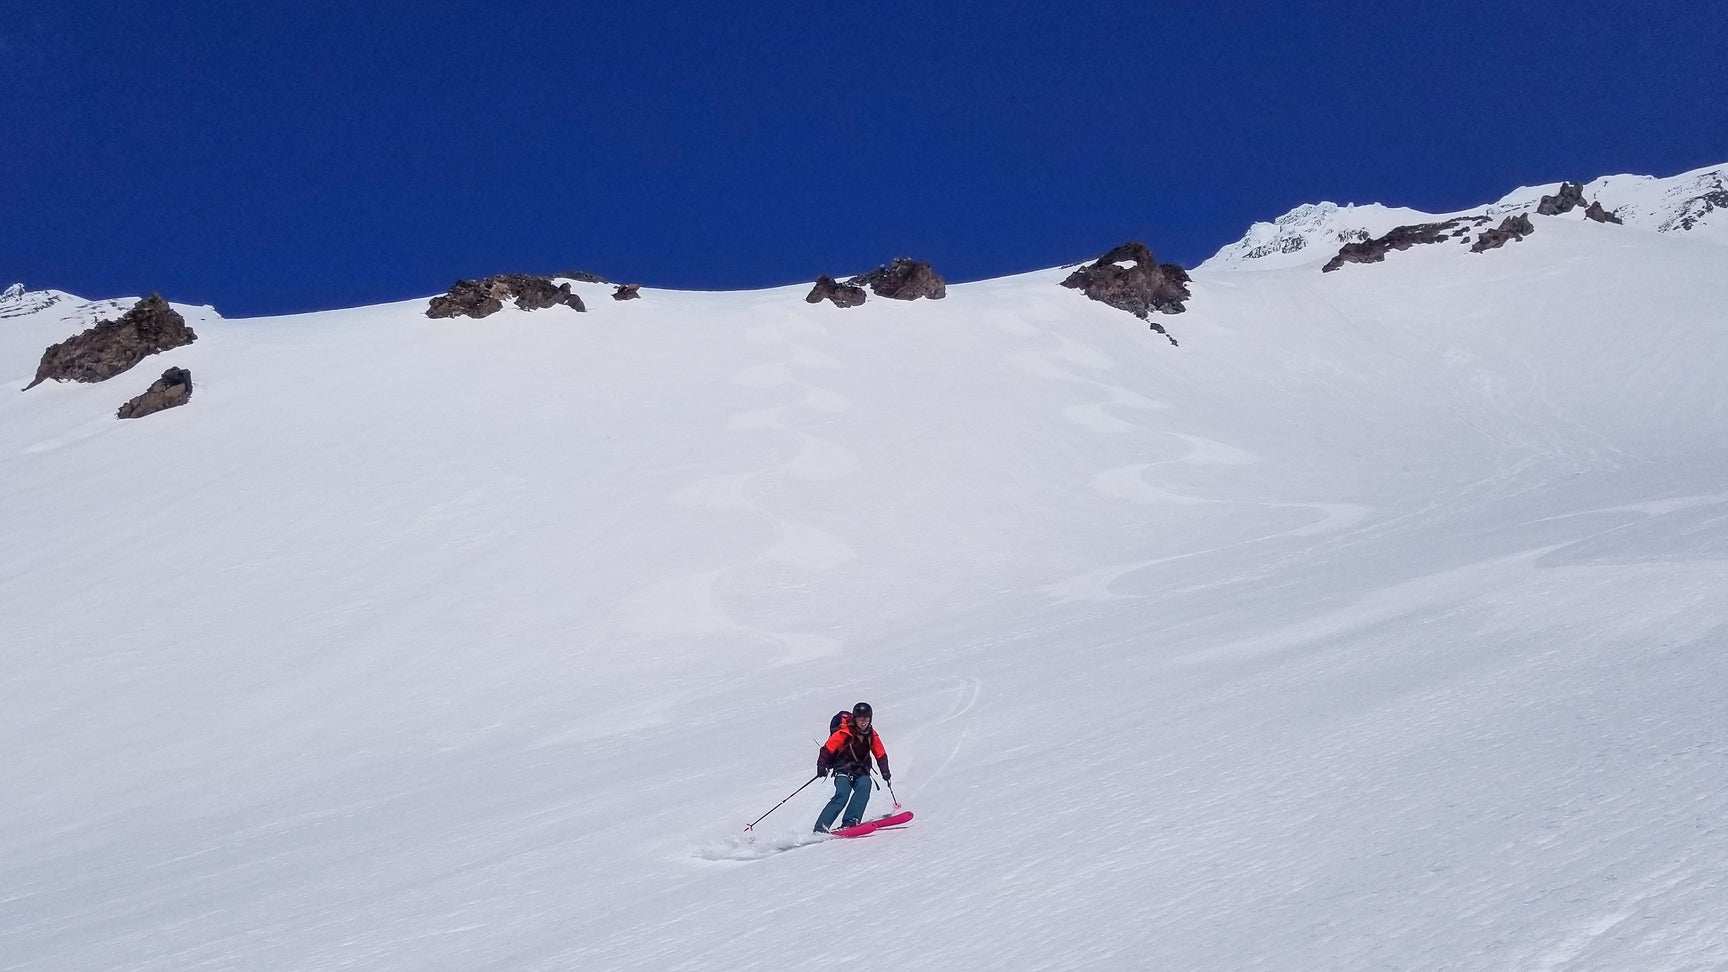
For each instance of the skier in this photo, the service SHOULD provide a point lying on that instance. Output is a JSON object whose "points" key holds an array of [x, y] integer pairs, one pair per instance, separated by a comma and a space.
{"points": [[847, 752]]}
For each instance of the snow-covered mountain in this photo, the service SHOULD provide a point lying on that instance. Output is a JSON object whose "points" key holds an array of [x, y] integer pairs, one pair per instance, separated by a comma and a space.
{"points": [[55, 311], [1694, 203], [1381, 624]]}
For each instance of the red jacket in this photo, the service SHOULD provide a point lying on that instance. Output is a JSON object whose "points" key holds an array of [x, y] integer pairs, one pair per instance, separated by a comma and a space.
{"points": [[848, 752]]}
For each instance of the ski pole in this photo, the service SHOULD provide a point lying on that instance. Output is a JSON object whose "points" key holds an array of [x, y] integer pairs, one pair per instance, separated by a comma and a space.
{"points": [[893, 794], [782, 803]]}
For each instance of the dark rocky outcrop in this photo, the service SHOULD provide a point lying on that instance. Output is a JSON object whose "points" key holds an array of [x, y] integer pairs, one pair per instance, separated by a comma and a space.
{"points": [[581, 276], [111, 347], [627, 292], [903, 280], [1570, 197], [486, 296], [1129, 278], [841, 294], [1511, 228], [1402, 238], [468, 298], [173, 388], [1600, 215], [539, 293]]}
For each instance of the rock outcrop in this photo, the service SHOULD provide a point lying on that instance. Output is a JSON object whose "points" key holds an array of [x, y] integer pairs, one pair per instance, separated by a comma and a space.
{"points": [[1129, 278], [829, 289], [111, 347], [1402, 238], [1570, 197], [469, 298], [1511, 228], [581, 276], [903, 280], [539, 293], [627, 292], [173, 388], [486, 296], [1600, 215]]}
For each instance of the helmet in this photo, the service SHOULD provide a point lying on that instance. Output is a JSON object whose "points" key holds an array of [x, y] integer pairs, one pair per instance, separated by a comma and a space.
{"points": [[861, 711]]}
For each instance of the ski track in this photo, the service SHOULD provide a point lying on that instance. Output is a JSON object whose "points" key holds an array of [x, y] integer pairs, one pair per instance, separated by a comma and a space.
{"points": [[949, 733], [1129, 483], [690, 605]]}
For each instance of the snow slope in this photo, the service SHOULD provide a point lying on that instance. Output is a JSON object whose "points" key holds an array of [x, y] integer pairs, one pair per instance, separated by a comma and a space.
{"points": [[1381, 624]]}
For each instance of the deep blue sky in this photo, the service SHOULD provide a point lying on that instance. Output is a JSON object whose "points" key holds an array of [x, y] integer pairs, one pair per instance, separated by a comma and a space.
{"points": [[270, 157]]}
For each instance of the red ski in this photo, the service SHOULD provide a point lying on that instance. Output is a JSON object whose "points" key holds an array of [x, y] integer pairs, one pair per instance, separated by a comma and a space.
{"points": [[869, 827]]}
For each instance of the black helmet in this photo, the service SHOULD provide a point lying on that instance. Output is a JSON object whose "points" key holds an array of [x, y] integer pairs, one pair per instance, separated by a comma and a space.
{"points": [[862, 711]]}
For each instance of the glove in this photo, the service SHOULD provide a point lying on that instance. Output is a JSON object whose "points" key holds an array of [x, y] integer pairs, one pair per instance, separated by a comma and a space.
{"points": [[821, 771], [886, 778]]}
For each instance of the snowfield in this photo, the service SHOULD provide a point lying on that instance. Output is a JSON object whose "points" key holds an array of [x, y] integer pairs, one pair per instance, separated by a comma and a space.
{"points": [[1381, 624]]}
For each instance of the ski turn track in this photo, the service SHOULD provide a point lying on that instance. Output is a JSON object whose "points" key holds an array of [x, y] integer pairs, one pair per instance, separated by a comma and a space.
{"points": [[694, 603]]}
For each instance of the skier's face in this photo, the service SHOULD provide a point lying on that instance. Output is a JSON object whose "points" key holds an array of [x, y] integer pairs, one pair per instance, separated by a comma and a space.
{"points": [[862, 721]]}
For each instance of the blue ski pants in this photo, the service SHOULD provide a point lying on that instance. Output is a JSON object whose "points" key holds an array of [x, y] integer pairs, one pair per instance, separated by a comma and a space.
{"points": [[851, 793]]}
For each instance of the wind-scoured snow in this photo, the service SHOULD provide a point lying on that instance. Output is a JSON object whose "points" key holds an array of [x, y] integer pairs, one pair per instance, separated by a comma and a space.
{"points": [[1383, 624], [1694, 203]]}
